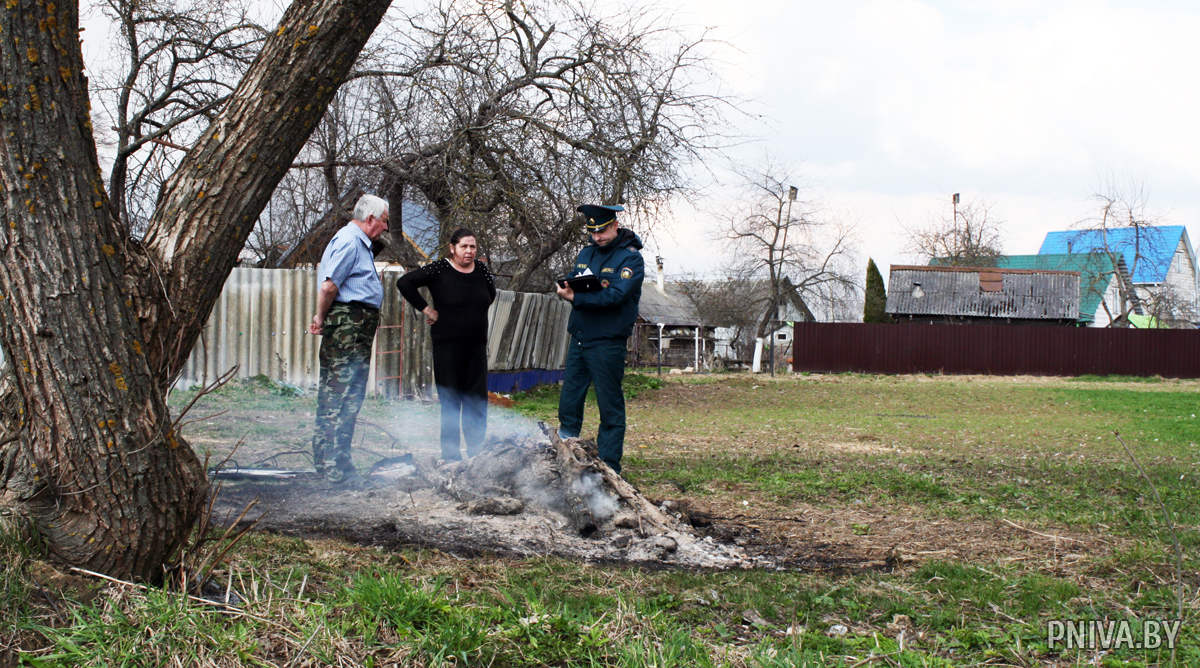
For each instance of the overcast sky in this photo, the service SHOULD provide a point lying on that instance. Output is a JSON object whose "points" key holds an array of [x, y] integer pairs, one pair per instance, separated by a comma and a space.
{"points": [[893, 105]]}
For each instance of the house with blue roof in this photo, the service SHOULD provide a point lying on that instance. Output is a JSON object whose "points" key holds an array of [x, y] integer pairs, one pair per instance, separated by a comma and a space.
{"points": [[1160, 260]]}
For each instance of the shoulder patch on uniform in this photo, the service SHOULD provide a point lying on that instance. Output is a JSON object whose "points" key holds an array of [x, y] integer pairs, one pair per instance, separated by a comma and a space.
{"points": [[606, 270], [626, 273]]}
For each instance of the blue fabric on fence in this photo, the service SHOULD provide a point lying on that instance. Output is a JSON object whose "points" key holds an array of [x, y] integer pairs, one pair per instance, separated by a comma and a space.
{"points": [[519, 381]]}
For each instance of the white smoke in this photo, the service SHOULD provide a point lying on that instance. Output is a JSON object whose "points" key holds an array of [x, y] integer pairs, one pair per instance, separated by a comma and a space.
{"points": [[507, 424], [590, 488]]}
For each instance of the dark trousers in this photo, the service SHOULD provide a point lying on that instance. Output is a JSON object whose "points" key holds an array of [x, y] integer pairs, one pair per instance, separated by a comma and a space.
{"points": [[345, 356], [460, 373], [600, 364]]}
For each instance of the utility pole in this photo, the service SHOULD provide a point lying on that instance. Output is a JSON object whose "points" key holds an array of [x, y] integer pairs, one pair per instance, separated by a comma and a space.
{"points": [[954, 201], [660, 329], [773, 322], [792, 192]]}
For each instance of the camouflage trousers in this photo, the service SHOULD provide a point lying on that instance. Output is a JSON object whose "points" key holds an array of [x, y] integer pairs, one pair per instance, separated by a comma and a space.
{"points": [[347, 334]]}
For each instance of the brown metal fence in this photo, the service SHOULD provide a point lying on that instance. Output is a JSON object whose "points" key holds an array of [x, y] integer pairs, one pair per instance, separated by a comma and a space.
{"points": [[995, 349]]}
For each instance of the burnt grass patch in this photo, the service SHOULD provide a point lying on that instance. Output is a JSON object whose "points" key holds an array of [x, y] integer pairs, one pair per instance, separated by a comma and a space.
{"points": [[841, 471], [402, 517]]}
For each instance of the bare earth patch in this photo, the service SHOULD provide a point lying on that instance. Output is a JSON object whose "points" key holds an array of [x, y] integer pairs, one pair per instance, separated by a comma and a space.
{"points": [[505, 503], [866, 446], [528, 498], [905, 536], [415, 511]]}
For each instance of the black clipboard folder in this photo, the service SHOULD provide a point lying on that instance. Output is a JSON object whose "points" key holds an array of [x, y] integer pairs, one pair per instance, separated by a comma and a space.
{"points": [[587, 283]]}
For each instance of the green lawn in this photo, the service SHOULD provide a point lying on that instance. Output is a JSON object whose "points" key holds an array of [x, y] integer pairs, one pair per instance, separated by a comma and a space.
{"points": [[972, 454]]}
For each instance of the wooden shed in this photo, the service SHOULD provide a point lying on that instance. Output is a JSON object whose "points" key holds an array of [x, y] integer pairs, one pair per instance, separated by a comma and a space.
{"points": [[993, 295]]}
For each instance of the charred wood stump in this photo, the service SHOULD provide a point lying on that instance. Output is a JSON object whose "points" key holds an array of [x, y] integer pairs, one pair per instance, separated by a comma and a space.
{"points": [[564, 476]]}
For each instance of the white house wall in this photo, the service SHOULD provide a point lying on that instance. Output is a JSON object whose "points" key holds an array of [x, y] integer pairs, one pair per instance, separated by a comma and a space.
{"points": [[1112, 297], [1181, 276]]}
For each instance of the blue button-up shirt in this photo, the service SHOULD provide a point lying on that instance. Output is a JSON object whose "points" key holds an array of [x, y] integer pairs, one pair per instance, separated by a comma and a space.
{"points": [[348, 262]]}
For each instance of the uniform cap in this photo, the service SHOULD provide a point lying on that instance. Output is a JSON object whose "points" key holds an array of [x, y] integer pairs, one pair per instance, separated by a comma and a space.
{"points": [[598, 216]]}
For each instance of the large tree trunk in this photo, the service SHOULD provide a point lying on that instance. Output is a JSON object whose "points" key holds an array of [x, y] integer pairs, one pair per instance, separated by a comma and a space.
{"points": [[94, 326]]}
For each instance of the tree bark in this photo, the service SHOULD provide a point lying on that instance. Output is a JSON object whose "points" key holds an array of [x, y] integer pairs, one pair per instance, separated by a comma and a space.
{"points": [[96, 465], [95, 326], [209, 206]]}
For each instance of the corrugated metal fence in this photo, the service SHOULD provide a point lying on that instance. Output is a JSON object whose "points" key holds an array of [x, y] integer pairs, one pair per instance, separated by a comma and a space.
{"points": [[995, 349], [260, 323]]}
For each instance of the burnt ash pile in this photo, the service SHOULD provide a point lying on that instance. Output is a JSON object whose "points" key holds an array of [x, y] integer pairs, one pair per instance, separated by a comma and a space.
{"points": [[523, 496]]}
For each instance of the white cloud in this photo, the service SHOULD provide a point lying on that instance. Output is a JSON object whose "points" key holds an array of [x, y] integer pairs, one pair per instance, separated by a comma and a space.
{"points": [[895, 104]]}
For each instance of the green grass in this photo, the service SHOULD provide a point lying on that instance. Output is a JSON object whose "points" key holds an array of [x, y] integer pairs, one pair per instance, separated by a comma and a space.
{"points": [[16, 589], [1163, 421], [542, 401], [986, 448], [1082, 496], [975, 450], [155, 625], [1092, 378], [372, 611]]}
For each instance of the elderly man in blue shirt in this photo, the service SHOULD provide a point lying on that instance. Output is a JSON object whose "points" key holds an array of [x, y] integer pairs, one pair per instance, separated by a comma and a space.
{"points": [[349, 295]]}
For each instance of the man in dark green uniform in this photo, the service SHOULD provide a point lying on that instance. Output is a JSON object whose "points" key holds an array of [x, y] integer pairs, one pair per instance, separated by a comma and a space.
{"points": [[601, 322]]}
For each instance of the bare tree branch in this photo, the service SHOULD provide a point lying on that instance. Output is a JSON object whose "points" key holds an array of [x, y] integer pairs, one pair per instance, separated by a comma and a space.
{"points": [[505, 118], [790, 245], [182, 61], [969, 236]]}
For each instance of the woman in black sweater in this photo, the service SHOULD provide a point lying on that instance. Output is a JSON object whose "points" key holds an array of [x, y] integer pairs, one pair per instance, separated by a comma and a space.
{"points": [[462, 289]]}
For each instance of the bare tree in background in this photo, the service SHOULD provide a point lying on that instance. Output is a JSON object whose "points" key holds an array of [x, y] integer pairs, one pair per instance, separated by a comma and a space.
{"points": [[1170, 307], [287, 218], [970, 235], [319, 189], [501, 117], [504, 118], [1124, 226], [733, 302], [179, 61], [782, 237]]}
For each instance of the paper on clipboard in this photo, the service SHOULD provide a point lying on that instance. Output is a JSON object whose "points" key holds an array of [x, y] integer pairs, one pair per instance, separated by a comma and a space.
{"points": [[585, 283]]}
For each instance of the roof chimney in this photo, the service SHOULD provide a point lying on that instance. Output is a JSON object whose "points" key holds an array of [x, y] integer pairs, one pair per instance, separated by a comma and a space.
{"points": [[659, 261]]}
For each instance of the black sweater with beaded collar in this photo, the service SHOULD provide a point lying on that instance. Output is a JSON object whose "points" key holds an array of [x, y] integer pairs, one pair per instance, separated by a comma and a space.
{"points": [[461, 300]]}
